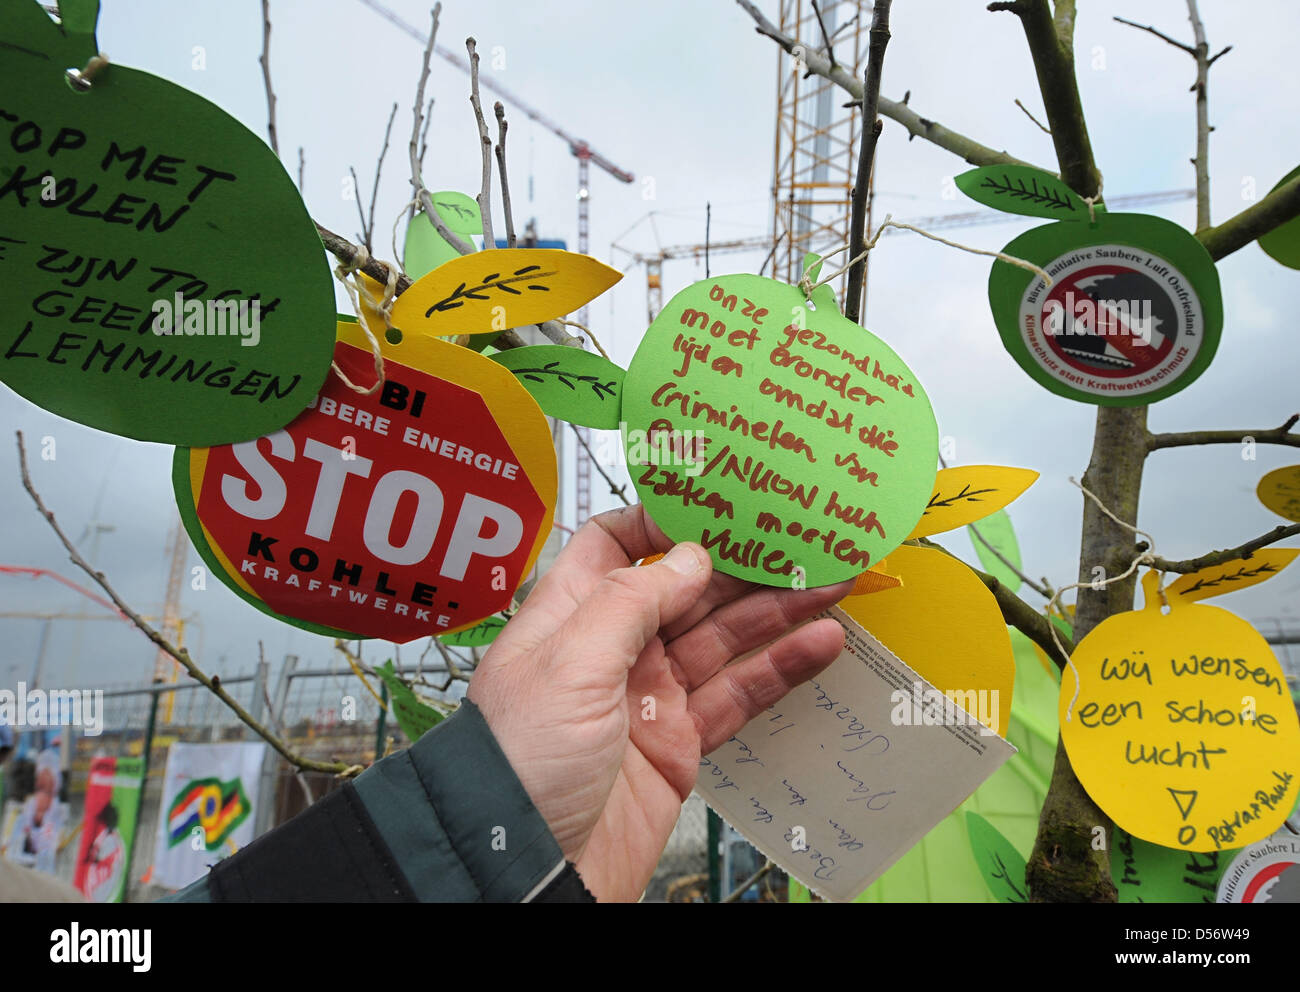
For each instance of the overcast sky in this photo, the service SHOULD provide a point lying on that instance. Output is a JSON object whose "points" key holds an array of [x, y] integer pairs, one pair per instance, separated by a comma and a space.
{"points": [[683, 92]]}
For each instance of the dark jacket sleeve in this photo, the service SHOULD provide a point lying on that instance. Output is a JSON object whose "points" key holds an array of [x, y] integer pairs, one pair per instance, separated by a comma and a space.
{"points": [[446, 820]]}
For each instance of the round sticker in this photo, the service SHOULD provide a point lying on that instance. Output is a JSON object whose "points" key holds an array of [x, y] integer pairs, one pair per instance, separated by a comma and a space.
{"points": [[417, 510], [1280, 491], [791, 443], [1266, 872], [1132, 315], [161, 277], [1181, 725]]}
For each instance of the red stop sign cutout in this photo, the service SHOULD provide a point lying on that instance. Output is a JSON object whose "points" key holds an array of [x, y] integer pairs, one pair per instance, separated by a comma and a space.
{"points": [[415, 511]]}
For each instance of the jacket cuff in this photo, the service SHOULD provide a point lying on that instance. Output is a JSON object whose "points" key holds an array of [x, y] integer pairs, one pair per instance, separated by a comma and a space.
{"points": [[458, 822]]}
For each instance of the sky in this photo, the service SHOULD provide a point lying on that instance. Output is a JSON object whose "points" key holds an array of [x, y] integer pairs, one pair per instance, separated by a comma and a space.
{"points": [[682, 94]]}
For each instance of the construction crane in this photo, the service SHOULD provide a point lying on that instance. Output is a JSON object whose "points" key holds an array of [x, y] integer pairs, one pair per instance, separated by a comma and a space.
{"points": [[586, 156], [653, 261]]}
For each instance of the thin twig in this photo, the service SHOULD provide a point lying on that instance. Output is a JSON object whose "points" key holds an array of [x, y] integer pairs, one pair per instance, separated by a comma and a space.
{"points": [[364, 236], [614, 490], [1280, 533], [276, 723], [1201, 86], [1041, 590], [830, 50], [485, 142], [302, 167], [1042, 127], [374, 190], [1183, 439], [1159, 34], [417, 180], [500, 111], [896, 110], [871, 127], [759, 875], [265, 59], [181, 655]]}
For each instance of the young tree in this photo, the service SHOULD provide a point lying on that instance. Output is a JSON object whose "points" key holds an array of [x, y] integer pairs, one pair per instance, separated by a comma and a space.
{"points": [[1065, 864]]}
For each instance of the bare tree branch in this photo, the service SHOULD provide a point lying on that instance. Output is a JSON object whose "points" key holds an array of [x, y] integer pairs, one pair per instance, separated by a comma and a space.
{"points": [[500, 111], [826, 38], [1015, 611], [1041, 126], [871, 126], [758, 876], [1054, 64], [1274, 210], [374, 190], [1208, 560], [917, 126], [302, 167], [485, 142], [1183, 439], [265, 60], [614, 490], [1159, 34], [1041, 590], [417, 180], [181, 655]]}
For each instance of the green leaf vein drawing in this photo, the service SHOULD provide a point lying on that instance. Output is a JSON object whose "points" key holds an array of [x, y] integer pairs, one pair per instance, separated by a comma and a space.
{"points": [[507, 284], [568, 384], [1023, 190]]}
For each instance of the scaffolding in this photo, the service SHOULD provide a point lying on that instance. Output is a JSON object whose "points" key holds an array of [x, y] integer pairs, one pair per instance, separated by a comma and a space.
{"points": [[816, 136]]}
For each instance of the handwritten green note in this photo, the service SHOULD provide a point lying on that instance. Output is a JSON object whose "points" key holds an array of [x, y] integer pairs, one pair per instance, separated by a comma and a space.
{"points": [[788, 441]]}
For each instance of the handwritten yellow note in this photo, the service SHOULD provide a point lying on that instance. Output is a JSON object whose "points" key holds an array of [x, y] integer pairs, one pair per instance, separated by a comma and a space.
{"points": [[1181, 726]]}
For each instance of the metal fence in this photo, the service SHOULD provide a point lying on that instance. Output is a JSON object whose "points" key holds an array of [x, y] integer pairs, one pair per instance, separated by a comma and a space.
{"points": [[322, 712]]}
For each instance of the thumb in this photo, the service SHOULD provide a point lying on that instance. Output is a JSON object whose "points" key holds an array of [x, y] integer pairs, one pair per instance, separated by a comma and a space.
{"points": [[628, 607]]}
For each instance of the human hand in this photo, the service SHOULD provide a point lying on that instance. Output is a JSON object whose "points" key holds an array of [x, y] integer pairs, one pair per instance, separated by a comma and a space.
{"points": [[564, 687]]}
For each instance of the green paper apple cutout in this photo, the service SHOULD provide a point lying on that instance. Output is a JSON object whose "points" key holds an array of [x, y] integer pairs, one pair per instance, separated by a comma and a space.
{"points": [[1132, 311], [795, 446], [162, 279], [1133, 314]]}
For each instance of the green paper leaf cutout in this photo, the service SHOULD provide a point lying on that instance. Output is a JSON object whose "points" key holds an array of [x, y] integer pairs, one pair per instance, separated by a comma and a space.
{"points": [[1282, 244], [1021, 189], [458, 211], [425, 248], [475, 637], [822, 296], [1146, 872], [137, 222], [25, 27], [996, 530], [569, 384], [79, 16], [1001, 864], [413, 716], [1133, 314]]}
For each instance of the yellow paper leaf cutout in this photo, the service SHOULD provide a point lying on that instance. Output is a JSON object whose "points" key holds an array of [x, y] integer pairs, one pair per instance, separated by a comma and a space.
{"points": [[969, 493]]}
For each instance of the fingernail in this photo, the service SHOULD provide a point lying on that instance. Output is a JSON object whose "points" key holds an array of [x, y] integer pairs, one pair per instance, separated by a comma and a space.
{"points": [[683, 560]]}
